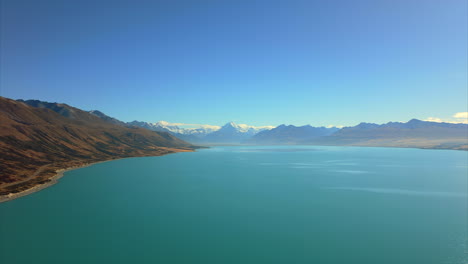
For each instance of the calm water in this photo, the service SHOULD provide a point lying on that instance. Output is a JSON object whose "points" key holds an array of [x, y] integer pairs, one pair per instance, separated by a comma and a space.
{"points": [[249, 205]]}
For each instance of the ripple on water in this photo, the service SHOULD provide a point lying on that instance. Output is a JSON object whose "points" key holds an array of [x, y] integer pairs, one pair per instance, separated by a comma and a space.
{"points": [[401, 191], [351, 171]]}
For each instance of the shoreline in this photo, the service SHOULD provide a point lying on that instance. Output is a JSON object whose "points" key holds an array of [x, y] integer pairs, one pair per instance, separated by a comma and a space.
{"points": [[53, 180], [59, 174]]}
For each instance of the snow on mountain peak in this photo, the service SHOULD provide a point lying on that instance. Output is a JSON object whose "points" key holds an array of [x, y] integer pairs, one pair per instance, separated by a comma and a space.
{"points": [[204, 129], [186, 129], [244, 128]]}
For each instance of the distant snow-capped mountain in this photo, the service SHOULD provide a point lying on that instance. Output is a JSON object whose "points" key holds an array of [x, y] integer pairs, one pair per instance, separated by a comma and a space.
{"points": [[243, 128], [197, 133], [196, 129]]}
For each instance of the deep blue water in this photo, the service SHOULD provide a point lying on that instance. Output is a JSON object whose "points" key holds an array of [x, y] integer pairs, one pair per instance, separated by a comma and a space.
{"points": [[249, 205]]}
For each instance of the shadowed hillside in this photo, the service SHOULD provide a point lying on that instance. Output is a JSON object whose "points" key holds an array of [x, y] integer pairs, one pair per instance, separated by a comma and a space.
{"points": [[37, 138]]}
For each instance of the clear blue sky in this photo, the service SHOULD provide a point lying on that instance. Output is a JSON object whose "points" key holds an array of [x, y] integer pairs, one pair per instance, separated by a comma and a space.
{"points": [[255, 62]]}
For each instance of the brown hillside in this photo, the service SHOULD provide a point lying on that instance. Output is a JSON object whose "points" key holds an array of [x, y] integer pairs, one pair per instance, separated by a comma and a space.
{"points": [[37, 137]]}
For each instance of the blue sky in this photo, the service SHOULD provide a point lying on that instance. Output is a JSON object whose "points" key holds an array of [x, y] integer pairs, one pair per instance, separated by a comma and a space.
{"points": [[255, 62]]}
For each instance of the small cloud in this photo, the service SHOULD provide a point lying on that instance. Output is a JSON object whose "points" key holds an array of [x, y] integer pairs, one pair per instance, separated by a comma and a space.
{"points": [[434, 119], [461, 118], [264, 127], [330, 126], [461, 115]]}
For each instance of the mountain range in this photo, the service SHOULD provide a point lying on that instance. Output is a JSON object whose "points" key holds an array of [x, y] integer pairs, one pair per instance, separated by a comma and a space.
{"points": [[230, 133], [414, 133]]}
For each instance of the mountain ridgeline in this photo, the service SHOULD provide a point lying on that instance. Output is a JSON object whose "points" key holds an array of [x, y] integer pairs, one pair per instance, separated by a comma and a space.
{"points": [[37, 138]]}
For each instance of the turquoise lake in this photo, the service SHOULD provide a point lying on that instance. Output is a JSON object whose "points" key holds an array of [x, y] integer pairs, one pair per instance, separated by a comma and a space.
{"points": [[300, 204]]}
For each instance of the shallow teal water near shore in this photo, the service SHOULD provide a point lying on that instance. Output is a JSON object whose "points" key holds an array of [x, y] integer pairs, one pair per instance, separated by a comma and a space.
{"points": [[249, 205]]}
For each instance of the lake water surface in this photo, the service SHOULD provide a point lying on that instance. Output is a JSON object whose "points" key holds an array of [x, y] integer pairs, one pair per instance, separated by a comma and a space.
{"points": [[247, 205]]}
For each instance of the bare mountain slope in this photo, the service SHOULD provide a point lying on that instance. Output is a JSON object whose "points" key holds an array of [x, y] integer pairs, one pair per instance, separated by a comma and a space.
{"points": [[58, 136]]}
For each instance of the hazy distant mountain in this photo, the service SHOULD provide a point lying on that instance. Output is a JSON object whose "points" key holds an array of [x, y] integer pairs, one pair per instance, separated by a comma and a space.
{"points": [[37, 138], [284, 135], [200, 130], [414, 133], [233, 133]]}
